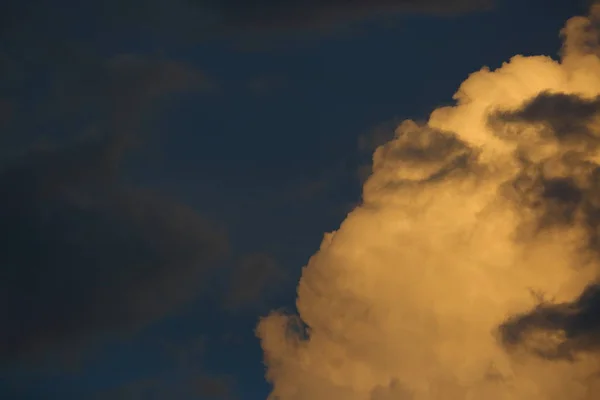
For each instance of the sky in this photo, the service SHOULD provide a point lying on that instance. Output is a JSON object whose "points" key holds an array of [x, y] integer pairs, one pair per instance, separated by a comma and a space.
{"points": [[301, 200]]}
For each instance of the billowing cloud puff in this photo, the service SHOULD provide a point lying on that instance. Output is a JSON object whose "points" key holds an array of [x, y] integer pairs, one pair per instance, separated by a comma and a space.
{"points": [[473, 253]]}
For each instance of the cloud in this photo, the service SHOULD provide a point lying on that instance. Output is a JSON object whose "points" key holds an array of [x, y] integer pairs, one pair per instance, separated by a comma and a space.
{"points": [[558, 331], [368, 142], [194, 384], [32, 40], [118, 91], [564, 115], [561, 330], [117, 95], [476, 237], [187, 21], [261, 14], [85, 254]]}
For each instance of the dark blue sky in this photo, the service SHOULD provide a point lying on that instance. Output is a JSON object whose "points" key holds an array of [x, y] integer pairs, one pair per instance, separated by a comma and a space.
{"points": [[168, 168]]}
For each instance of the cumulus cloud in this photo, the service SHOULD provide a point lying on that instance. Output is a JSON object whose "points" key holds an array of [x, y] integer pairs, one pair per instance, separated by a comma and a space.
{"points": [[470, 268]]}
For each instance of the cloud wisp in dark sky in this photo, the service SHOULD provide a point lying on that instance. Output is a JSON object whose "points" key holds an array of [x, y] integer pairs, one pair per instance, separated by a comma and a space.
{"points": [[264, 14], [85, 252], [190, 20], [87, 255]]}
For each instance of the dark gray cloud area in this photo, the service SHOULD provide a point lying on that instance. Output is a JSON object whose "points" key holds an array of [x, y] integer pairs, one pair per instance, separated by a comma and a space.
{"points": [[315, 13], [192, 19], [85, 254], [558, 330]]}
